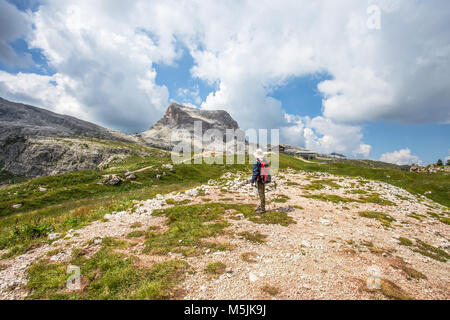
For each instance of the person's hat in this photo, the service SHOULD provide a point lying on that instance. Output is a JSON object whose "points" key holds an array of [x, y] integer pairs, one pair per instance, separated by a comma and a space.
{"points": [[259, 154]]}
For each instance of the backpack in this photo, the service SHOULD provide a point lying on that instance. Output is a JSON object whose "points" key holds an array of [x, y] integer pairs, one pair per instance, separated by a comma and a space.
{"points": [[265, 176]]}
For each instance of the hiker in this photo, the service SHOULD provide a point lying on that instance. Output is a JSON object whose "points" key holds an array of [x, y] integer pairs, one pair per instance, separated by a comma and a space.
{"points": [[259, 179]]}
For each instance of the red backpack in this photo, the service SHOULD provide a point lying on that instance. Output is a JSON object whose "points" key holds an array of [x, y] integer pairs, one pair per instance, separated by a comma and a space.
{"points": [[265, 176]]}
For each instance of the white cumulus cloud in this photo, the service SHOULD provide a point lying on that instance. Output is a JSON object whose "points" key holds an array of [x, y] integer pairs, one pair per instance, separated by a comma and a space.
{"points": [[323, 135], [400, 157], [14, 24]]}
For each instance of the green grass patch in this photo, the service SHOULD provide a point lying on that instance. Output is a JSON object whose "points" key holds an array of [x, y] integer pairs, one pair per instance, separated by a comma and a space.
{"points": [[439, 217], [416, 216], [215, 268], [384, 218], [53, 252], [136, 225], [412, 273], [372, 198], [392, 291], [108, 276], [188, 225], [430, 251], [271, 290], [358, 191], [322, 184], [269, 217], [375, 198], [281, 198], [405, 241], [254, 237], [425, 249], [135, 234]]}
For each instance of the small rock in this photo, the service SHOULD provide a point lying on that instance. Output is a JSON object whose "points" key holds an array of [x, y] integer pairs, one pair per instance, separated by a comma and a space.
{"points": [[252, 277], [42, 189], [158, 176], [325, 222], [53, 236], [286, 209], [115, 181], [240, 215], [229, 270], [130, 175], [306, 244], [17, 206]]}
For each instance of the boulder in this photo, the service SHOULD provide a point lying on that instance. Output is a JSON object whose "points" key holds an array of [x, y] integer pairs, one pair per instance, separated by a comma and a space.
{"points": [[130, 175], [112, 179]]}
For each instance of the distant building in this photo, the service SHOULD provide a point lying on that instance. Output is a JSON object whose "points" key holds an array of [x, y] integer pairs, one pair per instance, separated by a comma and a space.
{"points": [[337, 155]]}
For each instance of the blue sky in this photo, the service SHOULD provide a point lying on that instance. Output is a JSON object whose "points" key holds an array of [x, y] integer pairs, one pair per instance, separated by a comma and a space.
{"points": [[178, 76], [326, 96]]}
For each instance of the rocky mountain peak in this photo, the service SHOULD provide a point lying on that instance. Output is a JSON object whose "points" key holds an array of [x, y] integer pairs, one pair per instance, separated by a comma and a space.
{"points": [[178, 116], [183, 117]]}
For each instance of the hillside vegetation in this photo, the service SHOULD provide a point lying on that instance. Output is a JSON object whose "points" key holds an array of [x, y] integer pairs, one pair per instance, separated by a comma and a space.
{"points": [[75, 199]]}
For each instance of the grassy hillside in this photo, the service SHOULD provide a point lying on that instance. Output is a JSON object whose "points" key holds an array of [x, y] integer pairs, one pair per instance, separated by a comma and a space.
{"points": [[437, 183], [75, 199]]}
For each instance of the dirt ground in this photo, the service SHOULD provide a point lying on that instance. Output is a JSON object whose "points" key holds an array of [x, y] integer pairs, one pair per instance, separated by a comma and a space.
{"points": [[329, 253]]}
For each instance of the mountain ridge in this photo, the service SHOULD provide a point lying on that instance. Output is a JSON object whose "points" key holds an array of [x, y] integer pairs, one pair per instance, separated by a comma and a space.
{"points": [[25, 120]]}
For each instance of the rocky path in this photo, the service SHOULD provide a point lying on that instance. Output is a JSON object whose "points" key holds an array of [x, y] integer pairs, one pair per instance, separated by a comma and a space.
{"points": [[329, 253]]}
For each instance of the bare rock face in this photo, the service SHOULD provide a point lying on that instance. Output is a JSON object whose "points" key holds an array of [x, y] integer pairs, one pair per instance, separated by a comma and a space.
{"points": [[181, 117], [36, 142], [42, 156]]}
